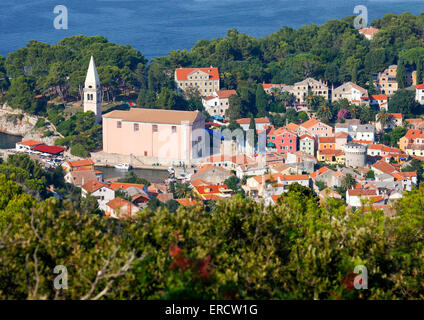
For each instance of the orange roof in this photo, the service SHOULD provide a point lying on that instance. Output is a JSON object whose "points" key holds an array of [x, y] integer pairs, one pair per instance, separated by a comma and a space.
{"points": [[223, 94], [330, 152], [383, 166], [363, 192], [80, 163], [93, 185], [275, 198], [199, 182], [182, 73], [187, 202], [396, 115], [309, 123], [370, 30], [118, 203], [123, 186], [379, 97], [30, 143], [414, 120], [412, 133], [292, 177], [292, 126], [257, 120], [377, 198], [319, 172], [420, 86]]}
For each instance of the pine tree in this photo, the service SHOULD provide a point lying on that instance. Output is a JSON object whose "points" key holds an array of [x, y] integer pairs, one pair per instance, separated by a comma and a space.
{"points": [[400, 74], [261, 101]]}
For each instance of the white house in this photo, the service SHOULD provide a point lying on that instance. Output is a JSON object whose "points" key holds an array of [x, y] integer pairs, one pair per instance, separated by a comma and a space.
{"points": [[27, 145], [419, 93], [350, 91], [379, 100], [218, 103], [101, 191], [363, 132], [354, 196]]}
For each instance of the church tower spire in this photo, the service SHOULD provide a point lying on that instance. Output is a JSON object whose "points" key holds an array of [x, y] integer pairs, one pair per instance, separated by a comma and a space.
{"points": [[93, 92]]}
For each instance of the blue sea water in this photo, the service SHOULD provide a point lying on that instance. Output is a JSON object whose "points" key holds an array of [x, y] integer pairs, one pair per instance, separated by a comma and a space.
{"points": [[157, 26]]}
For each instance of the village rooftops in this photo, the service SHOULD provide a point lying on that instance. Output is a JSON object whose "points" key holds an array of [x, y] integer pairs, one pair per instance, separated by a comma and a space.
{"points": [[292, 126], [159, 116], [80, 163]]}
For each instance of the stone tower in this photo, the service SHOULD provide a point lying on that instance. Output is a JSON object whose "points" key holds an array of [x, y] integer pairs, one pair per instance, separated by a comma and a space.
{"points": [[93, 92]]}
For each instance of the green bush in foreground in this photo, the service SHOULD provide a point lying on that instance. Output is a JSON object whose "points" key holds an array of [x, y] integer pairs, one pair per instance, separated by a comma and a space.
{"points": [[239, 250]]}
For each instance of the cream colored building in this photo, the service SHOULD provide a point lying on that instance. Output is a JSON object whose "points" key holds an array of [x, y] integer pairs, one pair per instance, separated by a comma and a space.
{"points": [[206, 80], [301, 89], [350, 91]]}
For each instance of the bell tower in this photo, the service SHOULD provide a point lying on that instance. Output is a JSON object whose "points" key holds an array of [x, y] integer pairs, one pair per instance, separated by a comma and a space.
{"points": [[93, 92]]}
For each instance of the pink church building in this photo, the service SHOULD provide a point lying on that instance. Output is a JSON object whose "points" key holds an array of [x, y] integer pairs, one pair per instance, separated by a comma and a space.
{"points": [[155, 133]]}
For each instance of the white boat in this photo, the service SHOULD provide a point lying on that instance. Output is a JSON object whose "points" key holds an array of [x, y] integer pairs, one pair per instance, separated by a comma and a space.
{"points": [[122, 166], [171, 170]]}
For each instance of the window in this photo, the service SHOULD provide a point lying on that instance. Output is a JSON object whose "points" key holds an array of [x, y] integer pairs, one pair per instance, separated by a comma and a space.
{"points": [[119, 124], [174, 129], [155, 128], [136, 127]]}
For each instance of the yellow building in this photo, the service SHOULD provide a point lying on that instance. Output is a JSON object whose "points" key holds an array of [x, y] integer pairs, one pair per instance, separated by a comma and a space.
{"points": [[331, 156]]}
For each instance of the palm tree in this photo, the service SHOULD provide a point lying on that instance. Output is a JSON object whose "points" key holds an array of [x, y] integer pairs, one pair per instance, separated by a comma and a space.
{"points": [[324, 113], [383, 117]]}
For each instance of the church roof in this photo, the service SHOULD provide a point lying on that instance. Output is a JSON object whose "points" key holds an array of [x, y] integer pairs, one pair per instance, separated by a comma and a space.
{"points": [[92, 75]]}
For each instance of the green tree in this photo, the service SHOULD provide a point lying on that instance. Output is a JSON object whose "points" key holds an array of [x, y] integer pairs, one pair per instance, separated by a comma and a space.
{"points": [[261, 101]]}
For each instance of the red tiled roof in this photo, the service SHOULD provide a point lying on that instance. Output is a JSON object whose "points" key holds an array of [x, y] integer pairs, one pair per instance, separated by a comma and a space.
{"points": [[187, 202], [123, 186], [420, 86], [383, 166], [309, 123], [118, 203], [257, 120], [292, 177], [362, 141], [396, 115], [292, 126], [30, 143], [379, 97], [319, 172], [327, 139], [370, 30], [223, 94], [412, 133], [80, 163], [363, 192], [93, 185], [182, 73], [49, 149]]}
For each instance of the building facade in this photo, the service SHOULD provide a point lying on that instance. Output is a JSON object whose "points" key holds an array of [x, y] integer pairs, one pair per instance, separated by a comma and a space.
{"points": [[166, 135], [205, 80]]}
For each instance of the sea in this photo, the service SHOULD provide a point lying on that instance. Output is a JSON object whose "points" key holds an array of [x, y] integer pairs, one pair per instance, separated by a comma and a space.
{"points": [[156, 27]]}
